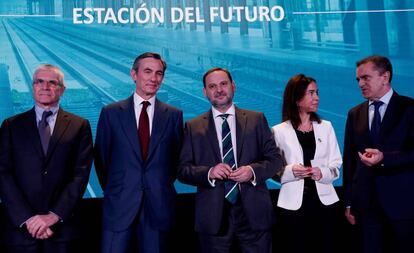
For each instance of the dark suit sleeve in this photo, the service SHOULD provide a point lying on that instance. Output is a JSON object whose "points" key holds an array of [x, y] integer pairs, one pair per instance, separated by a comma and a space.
{"points": [[270, 162], [14, 201], [75, 188], [102, 149], [178, 139], [188, 172], [349, 161]]}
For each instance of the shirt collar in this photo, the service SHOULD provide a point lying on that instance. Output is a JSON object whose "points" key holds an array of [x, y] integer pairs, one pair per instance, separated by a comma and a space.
{"points": [[230, 111], [39, 111], [386, 98], [138, 100]]}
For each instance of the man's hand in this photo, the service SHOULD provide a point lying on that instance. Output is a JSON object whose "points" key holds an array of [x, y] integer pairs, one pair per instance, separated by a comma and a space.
{"points": [[241, 174], [300, 171], [371, 157], [349, 216], [38, 225], [221, 171], [47, 234]]}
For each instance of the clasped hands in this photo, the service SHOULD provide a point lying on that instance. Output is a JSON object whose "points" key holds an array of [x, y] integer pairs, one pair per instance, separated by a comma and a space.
{"points": [[300, 171], [371, 156], [39, 225], [223, 171]]}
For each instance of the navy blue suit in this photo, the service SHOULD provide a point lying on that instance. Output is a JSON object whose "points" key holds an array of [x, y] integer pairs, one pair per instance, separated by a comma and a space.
{"points": [[130, 184], [385, 191]]}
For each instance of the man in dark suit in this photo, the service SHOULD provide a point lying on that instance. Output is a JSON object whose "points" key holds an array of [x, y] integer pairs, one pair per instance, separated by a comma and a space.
{"points": [[136, 160], [379, 161], [228, 153], [45, 160]]}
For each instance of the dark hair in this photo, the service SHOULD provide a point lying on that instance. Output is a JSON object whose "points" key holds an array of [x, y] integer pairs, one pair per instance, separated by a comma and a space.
{"points": [[294, 91], [216, 69], [149, 55], [381, 64]]}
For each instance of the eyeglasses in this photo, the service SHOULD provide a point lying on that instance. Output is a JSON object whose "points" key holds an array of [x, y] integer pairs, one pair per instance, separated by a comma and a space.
{"points": [[51, 83]]}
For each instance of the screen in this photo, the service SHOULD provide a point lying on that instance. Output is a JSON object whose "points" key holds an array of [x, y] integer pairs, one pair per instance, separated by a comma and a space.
{"points": [[262, 43]]}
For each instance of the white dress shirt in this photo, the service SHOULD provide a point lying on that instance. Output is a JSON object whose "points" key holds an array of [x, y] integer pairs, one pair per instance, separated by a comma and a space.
{"points": [[231, 120], [138, 107], [51, 120], [371, 109]]}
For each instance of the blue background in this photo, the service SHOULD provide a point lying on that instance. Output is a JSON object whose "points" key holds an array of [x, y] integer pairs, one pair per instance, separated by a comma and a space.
{"points": [[262, 56]]}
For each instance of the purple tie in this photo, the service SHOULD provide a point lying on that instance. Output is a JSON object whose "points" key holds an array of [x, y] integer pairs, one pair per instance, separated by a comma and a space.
{"points": [[44, 130]]}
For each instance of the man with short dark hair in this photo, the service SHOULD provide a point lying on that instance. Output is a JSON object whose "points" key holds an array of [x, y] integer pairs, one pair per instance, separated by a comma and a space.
{"points": [[45, 160], [379, 161], [229, 153], [136, 155]]}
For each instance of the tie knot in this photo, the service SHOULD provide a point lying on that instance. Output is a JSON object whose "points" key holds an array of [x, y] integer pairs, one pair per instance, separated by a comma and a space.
{"points": [[224, 116], [145, 104], [45, 115], [377, 104]]}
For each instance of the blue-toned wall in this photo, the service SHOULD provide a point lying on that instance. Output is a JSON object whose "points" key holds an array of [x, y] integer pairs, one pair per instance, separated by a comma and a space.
{"points": [[321, 38]]}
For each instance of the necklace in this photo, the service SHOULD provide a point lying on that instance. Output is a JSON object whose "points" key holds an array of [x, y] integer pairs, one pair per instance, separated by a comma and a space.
{"points": [[305, 128]]}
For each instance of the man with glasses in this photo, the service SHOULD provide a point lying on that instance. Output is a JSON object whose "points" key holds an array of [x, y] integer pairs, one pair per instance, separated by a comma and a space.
{"points": [[45, 160]]}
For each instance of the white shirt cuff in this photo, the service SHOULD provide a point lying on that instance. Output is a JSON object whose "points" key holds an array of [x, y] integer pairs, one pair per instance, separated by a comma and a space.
{"points": [[211, 181], [253, 180]]}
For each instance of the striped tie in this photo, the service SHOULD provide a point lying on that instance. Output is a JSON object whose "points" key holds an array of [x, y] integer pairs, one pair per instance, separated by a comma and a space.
{"points": [[230, 187]]}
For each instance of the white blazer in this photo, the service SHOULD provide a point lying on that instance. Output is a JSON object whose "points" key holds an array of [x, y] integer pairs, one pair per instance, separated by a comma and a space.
{"points": [[327, 158]]}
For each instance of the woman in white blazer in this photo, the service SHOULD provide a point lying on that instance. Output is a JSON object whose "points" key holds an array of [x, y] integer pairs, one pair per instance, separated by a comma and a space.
{"points": [[311, 152]]}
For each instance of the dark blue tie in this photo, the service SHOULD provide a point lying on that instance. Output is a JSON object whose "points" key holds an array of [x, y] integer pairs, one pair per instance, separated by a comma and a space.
{"points": [[231, 188], [376, 122], [44, 130]]}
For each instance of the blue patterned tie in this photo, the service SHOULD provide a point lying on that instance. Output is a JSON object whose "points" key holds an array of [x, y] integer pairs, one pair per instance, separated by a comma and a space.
{"points": [[44, 130], [376, 122], [231, 188]]}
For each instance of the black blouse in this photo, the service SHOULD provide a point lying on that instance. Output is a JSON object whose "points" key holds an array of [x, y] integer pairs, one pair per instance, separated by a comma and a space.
{"points": [[307, 141]]}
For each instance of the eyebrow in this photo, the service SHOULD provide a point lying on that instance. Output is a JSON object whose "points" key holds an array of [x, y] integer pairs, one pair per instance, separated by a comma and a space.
{"points": [[363, 76]]}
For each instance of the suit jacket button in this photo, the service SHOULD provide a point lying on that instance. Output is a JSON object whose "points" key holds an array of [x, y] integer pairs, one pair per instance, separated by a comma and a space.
{"points": [[45, 173]]}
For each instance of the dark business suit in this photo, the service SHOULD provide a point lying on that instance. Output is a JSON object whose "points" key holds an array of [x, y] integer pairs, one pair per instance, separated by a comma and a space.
{"points": [[255, 147], [386, 190], [32, 183], [130, 184]]}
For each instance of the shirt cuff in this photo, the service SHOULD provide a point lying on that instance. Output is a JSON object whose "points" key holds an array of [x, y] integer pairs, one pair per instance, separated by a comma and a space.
{"points": [[253, 180], [60, 219], [211, 181], [24, 223]]}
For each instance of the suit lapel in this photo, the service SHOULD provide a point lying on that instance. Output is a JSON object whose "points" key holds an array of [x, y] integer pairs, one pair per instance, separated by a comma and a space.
{"points": [[241, 121], [129, 124], [292, 139], [362, 123], [32, 132], [62, 123], [212, 134], [391, 114], [159, 122]]}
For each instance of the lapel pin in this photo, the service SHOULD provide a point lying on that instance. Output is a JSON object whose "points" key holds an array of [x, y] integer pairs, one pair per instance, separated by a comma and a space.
{"points": [[319, 139]]}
